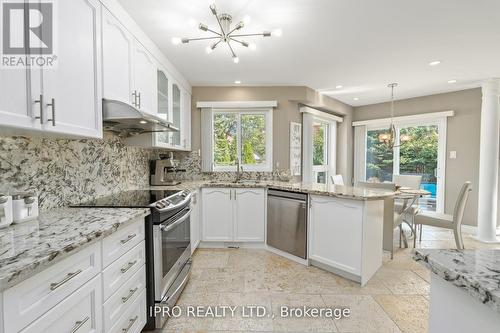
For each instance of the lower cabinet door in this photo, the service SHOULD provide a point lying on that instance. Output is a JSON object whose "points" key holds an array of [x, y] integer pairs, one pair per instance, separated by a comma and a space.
{"points": [[250, 215], [335, 233], [134, 318], [217, 206], [80, 312]]}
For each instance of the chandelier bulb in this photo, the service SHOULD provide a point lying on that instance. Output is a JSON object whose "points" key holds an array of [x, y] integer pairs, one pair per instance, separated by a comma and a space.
{"points": [[236, 59]]}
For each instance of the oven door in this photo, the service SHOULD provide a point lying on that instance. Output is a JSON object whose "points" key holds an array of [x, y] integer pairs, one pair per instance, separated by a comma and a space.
{"points": [[172, 250]]}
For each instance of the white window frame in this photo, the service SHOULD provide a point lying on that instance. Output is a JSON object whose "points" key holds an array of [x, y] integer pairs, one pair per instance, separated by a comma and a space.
{"points": [[441, 124], [268, 166], [327, 168]]}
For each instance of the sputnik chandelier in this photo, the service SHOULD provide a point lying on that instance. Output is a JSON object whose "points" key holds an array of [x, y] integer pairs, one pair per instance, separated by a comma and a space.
{"points": [[227, 34]]}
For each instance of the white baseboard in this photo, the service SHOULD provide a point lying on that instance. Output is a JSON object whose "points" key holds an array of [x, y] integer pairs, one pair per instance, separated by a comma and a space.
{"points": [[472, 229]]}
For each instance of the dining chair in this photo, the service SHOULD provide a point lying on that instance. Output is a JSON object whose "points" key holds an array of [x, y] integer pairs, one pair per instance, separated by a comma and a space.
{"points": [[337, 180], [451, 222], [397, 216], [413, 182]]}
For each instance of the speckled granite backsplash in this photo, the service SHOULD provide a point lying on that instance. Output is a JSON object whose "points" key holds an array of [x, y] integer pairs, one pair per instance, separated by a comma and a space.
{"points": [[66, 171], [63, 171]]}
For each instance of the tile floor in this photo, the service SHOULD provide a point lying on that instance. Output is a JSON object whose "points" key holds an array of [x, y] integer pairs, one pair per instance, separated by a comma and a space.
{"points": [[396, 299]]}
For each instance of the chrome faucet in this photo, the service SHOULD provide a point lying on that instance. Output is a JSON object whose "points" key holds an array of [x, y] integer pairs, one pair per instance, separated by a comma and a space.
{"points": [[239, 171]]}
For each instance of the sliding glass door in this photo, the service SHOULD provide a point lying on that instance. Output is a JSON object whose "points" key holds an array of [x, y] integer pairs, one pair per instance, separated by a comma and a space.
{"points": [[421, 153]]}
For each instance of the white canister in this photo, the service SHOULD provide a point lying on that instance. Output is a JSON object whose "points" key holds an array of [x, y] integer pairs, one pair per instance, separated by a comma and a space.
{"points": [[25, 207], [6, 217]]}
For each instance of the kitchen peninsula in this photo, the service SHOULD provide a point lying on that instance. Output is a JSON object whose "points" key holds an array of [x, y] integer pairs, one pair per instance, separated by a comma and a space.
{"points": [[344, 230]]}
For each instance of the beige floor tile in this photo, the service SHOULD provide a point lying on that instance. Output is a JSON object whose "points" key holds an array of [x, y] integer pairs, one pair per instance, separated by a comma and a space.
{"points": [[186, 323], [210, 258], [243, 319], [410, 313], [297, 324], [403, 282], [366, 314]]}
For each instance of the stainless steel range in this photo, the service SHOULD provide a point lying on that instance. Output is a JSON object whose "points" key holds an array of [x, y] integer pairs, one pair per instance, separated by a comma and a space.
{"points": [[168, 244]]}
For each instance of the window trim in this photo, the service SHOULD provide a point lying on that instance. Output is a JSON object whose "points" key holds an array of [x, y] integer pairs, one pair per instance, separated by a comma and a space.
{"points": [[268, 113], [330, 150]]}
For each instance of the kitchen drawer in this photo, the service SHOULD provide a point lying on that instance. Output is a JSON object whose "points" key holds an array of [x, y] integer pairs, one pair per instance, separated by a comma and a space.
{"points": [[134, 318], [31, 298], [79, 313], [120, 301], [116, 274], [115, 245]]}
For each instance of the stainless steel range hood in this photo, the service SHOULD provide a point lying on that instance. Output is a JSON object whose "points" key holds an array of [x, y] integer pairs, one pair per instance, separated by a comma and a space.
{"points": [[126, 120]]}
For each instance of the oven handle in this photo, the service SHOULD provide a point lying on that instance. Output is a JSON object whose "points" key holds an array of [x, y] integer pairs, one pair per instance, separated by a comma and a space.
{"points": [[169, 208], [176, 223]]}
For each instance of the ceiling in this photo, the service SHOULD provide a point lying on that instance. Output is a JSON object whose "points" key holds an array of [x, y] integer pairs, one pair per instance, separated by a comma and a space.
{"points": [[360, 44]]}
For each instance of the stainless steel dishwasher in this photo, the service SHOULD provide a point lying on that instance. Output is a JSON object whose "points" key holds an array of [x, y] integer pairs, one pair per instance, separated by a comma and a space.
{"points": [[287, 222]]}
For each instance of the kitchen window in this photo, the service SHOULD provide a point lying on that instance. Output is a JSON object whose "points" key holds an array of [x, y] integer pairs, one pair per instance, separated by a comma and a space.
{"points": [[244, 136]]}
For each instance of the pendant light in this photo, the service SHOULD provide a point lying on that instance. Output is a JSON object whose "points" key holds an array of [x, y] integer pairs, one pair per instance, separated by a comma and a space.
{"points": [[389, 138]]}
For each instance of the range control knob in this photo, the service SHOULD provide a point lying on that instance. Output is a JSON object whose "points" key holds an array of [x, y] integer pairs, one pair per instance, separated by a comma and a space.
{"points": [[160, 205]]}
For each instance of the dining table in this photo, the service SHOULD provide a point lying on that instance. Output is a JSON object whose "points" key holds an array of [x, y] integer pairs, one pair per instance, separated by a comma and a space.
{"points": [[410, 197]]}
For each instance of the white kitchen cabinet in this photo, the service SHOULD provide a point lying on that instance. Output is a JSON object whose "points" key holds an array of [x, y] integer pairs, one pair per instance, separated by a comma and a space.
{"points": [[14, 109], [117, 60], [65, 99], [186, 120], [233, 215], [33, 297], [80, 312], [72, 91], [345, 236], [134, 318], [145, 79], [217, 207], [249, 215], [1, 313], [195, 220], [129, 70]]}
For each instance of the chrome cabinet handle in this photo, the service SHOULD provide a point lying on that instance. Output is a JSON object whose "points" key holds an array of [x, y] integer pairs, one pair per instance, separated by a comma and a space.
{"points": [[40, 100], [128, 239], [55, 285], [132, 292], [79, 324], [131, 323], [53, 106], [129, 266], [134, 95], [139, 100]]}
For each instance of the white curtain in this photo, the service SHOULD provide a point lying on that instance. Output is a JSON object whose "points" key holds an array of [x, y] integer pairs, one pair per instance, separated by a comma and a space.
{"points": [[206, 140], [359, 154]]}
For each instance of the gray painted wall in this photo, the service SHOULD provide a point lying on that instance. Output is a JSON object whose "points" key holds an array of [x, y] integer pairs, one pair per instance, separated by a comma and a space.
{"points": [[462, 137], [287, 111]]}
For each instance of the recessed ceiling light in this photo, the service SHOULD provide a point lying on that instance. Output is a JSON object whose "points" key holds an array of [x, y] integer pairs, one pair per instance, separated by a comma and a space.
{"points": [[143, 122], [237, 82], [356, 98], [452, 81], [434, 63], [339, 86]]}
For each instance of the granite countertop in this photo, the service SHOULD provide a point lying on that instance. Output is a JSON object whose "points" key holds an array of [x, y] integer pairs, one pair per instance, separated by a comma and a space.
{"points": [[28, 248], [346, 192], [475, 271]]}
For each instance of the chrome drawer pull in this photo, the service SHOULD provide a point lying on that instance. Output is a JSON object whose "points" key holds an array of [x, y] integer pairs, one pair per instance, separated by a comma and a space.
{"points": [[55, 285], [132, 292], [129, 266], [79, 324], [131, 323], [128, 239]]}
